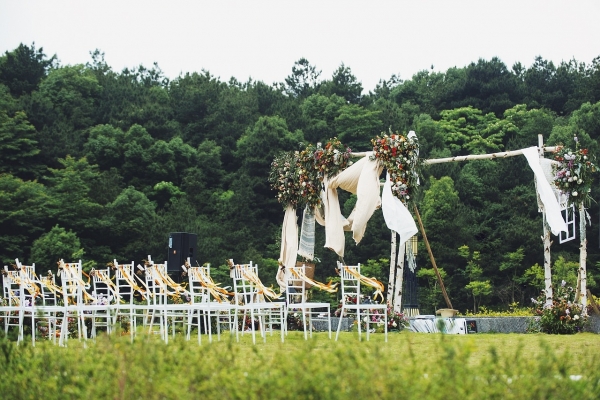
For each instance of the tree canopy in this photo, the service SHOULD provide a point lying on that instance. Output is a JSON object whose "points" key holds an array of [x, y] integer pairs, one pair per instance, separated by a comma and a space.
{"points": [[103, 164]]}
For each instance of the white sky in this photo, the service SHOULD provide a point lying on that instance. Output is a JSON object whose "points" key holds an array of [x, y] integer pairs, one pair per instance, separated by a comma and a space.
{"points": [[263, 39]]}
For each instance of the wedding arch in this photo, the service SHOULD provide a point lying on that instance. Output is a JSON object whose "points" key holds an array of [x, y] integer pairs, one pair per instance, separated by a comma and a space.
{"points": [[310, 179]]}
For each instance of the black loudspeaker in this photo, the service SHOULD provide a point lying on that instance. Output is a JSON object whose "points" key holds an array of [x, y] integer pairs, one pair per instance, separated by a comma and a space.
{"points": [[181, 246]]}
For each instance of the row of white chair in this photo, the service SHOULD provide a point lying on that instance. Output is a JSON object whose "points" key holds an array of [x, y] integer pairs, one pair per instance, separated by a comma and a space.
{"points": [[105, 300]]}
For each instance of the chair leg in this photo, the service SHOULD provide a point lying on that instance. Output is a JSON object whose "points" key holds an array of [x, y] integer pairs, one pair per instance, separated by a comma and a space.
{"points": [[339, 324], [329, 322], [359, 327]]}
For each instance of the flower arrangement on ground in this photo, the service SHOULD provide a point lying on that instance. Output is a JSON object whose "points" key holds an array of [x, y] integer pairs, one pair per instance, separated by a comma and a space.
{"points": [[563, 316], [399, 154], [573, 174], [396, 321]]}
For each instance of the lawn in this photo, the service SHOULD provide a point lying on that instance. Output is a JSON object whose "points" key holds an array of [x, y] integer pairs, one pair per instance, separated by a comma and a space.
{"points": [[409, 365]]}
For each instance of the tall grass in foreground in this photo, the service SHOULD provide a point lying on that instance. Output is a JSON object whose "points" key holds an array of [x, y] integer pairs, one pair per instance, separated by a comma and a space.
{"points": [[423, 366]]}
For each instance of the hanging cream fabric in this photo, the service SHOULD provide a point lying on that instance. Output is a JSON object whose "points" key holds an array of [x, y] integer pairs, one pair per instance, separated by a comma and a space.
{"points": [[396, 215], [289, 245], [368, 199], [307, 234], [362, 179], [551, 207], [334, 221]]}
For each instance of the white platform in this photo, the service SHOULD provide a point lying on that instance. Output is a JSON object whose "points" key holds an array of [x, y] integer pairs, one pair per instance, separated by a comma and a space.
{"points": [[433, 324]]}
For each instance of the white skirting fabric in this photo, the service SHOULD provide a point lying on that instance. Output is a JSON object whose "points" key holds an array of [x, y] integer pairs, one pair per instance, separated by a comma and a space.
{"points": [[307, 234], [396, 215], [551, 206], [289, 245]]}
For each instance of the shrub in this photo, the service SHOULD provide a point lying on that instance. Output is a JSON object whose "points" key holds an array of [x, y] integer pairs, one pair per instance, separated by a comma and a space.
{"points": [[563, 316]]}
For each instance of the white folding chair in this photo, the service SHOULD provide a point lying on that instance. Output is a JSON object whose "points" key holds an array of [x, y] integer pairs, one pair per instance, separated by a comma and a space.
{"points": [[73, 307], [78, 303], [126, 286], [46, 314], [208, 302], [296, 299], [157, 281], [249, 299], [13, 309], [352, 302], [104, 293], [39, 301]]}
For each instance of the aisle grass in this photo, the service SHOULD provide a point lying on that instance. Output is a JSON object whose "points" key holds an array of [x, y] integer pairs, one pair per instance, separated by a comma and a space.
{"points": [[410, 365]]}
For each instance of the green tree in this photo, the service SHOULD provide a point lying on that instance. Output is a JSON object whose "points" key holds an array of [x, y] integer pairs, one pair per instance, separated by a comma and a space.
{"points": [[22, 69], [513, 262], [318, 114], [304, 79], [478, 287], [70, 204], [344, 84], [356, 126], [18, 147], [430, 295], [489, 86], [23, 215], [466, 131], [53, 246], [62, 109], [130, 216]]}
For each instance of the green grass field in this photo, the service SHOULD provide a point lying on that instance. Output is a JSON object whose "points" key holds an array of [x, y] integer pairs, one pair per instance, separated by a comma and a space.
{"points": [[410, 365]]}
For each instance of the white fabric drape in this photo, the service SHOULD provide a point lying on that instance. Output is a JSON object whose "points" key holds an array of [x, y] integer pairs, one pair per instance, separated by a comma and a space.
{"points": [[551, 206], [396, 215], [306, 248], [362, 179], [289, 245]]}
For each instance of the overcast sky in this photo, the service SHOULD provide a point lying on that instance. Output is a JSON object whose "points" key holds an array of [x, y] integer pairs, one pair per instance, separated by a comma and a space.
{"points": [[262, 39]]}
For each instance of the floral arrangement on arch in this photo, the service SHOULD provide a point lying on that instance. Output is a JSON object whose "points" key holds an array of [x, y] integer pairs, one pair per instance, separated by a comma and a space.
{"points": [[573, 174], [309, 177], [285, 179], [298, 176], [399, 154], [332, 158]]}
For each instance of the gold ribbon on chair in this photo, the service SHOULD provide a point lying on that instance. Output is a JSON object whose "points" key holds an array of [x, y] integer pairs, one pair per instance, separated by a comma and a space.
{"points": [[27, 283], [219, 293], [166, 280], [131, 282], [372, 282], [67, 269], [107, 281], [330, 287], [47, 282], [252, 277]]}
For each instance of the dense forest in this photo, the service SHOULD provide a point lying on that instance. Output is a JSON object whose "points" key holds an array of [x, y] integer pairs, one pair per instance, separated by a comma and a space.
{"points": [[98, 164]]}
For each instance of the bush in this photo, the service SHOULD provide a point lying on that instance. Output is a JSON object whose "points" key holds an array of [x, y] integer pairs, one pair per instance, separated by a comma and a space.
{"points": [[409, 366], [563, 316]]}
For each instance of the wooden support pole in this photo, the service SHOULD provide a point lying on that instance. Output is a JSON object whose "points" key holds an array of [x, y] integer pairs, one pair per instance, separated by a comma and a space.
{"points": [[435, 268], [490, 156]]}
